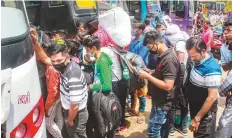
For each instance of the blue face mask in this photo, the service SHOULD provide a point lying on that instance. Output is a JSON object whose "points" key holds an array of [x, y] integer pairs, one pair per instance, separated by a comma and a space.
{"points": [[162, 32], [133, 33], [230, 57]]}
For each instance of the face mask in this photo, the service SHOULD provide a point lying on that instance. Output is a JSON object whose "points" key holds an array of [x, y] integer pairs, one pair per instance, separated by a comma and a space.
{"points": [[91, 57], [60, 67], [206, 27], [162, 32], [199, 62], [154, 52], [133, 33]]}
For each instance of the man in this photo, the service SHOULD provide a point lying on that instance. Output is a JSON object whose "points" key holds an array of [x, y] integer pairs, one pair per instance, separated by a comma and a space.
{"points": [[202, 89], [148, 26], [207, 34], [138, 48], [163, 80], [161, 28], [226, 62], [103, 73], [213, 18], [225, 122], [52, 104], [119, 87], [73, 91], [136, 45], [180, 100]]}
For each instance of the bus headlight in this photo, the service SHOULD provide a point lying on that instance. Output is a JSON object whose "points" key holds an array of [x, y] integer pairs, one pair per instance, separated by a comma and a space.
{"points": [[35, 115], [21, 131]]}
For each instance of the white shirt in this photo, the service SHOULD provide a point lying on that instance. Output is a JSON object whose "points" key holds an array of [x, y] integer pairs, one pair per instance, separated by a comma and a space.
{"points": [[116, 66], [180, 47]]}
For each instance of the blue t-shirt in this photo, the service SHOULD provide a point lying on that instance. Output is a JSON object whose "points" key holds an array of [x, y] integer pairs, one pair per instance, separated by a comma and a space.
{"points": [[138, 48], [225, 54]]}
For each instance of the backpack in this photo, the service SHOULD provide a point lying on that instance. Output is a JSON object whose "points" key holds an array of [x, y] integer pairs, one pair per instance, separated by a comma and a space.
{"points": [[183, 68], [130, 65], [107, 112]]}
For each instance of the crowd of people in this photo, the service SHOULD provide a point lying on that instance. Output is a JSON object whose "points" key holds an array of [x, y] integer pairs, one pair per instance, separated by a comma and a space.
{"points": [[178, 72]]}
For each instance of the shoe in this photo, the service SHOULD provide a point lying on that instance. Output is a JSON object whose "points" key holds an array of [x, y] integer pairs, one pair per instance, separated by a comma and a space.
{"points": [[123, 128], [184, 132], [172, 132], [148, 96], [117, 132]]}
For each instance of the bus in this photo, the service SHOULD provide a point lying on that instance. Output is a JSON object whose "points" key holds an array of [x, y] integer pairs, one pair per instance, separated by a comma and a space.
{"points": [[58, 15], [141, 8], [181, 12], [22, 107]]}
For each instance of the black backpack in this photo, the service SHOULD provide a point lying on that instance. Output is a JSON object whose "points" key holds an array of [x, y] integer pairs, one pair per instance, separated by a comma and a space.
{"points": [[107, 112]]}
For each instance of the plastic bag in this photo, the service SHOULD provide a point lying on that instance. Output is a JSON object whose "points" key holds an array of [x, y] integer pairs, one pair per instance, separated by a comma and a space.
{"points": [[116, 23]]}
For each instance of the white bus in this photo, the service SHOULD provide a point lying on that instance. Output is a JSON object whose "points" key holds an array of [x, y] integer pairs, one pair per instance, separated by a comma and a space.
{"points": [[22, 108]]}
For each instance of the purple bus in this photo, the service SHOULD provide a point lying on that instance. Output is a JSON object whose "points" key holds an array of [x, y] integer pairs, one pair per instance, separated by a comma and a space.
{"points": [[181, 12]]}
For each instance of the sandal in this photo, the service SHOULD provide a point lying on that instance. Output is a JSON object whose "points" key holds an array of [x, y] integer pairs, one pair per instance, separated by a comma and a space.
{"points": [[132, 113]]}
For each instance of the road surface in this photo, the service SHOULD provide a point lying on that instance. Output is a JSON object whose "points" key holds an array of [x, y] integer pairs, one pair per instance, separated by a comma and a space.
{"points": [[136, 130]]}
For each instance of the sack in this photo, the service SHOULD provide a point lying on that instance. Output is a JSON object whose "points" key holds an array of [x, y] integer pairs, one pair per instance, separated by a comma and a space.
{"points": [[116, 22], [107, 112]]}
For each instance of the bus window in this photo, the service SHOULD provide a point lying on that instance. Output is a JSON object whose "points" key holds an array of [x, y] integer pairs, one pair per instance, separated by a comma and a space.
{"points": [[7, 3], [32, 3], [56, 3]]}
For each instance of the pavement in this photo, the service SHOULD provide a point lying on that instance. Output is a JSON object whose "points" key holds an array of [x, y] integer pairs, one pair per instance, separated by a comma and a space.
{"points": [[136, 130]]}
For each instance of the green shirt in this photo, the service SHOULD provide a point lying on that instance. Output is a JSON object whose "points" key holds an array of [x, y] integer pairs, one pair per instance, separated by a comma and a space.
{"points": [[103, 73]]}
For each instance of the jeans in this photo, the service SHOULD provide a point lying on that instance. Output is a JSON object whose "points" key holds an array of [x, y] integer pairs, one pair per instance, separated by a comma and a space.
{"points": [[78, 130], [120, 91], [158, 118], [225, 123]]}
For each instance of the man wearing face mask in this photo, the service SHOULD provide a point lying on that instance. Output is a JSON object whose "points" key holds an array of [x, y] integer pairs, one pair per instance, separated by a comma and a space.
{"points": [[207, 34], [73, 90], [161, 28], [202, 89], [103, 74], [164, 81], [225, 52]]}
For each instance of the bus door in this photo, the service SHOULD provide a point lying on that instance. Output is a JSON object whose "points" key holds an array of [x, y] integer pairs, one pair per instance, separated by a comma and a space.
{"points": [[22, 104]]}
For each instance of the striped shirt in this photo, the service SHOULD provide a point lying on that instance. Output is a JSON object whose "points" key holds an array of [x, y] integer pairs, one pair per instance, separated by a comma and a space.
{"points": [[73, 87], [203, 76]]}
